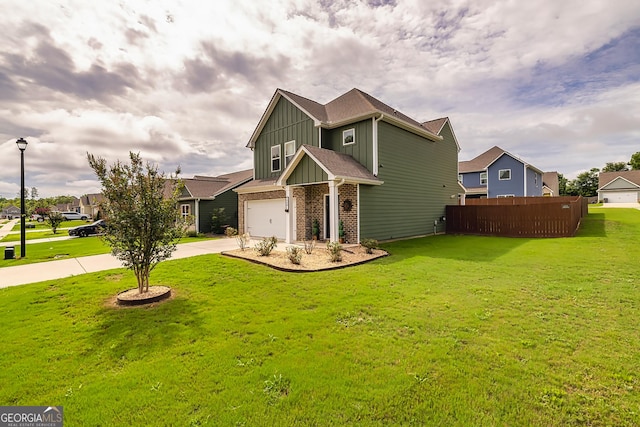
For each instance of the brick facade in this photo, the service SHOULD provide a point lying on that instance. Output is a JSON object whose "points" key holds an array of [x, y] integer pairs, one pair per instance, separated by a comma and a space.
{"points": [[309, 201]]}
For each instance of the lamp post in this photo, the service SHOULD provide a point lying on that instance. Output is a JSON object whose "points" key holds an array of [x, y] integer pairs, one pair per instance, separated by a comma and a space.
{"points": [[22, 145]]}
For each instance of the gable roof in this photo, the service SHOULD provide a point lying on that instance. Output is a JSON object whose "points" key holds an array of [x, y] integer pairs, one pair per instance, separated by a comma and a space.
{"points": [[338, 166], [605, 178], [355, 105], [208, 187], [550, 180], [484, 160]]}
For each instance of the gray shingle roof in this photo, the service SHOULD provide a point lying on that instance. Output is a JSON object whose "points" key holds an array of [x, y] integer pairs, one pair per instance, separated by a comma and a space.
{"points": [[340, 165], [606, 177], [480, 162]]}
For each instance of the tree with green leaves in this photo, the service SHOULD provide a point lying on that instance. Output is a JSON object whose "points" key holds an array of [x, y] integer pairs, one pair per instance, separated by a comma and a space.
{"points": [[615, 167], [143, 224], [562, 185], [635, 161], [54, 219], [585, 184]]}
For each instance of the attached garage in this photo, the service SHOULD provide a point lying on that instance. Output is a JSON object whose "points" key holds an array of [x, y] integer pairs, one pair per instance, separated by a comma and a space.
{"points": [[266, 218], [621, 197]]}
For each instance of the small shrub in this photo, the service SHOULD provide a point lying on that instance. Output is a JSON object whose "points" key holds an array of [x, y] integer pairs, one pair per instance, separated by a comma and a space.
{"points": [[230, 232], [243, 240], [335, 251], [295, 254], [309, 246], [218, 220], [369, 245], [54, 220], [192, 233], [267, 244]]}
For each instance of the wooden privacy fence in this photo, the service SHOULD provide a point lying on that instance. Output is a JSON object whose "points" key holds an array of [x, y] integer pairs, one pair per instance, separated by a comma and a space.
{"points": [[518, 216]]}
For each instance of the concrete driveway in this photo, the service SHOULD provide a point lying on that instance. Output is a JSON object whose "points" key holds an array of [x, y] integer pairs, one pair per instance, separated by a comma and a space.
{"points": [[38, 272], [621, 205]]}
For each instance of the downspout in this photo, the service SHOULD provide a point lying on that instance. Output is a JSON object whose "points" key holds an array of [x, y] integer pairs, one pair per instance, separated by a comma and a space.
{"points": [[525, 180], [375, 144], [319, 137]]}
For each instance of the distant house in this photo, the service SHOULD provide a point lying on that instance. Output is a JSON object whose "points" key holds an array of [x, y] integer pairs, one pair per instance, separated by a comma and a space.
{"points": [[619, 187], [550, 184], [10, 212], [89, 204], [203, 194], [353, 164], [498, 173], [72, 206]]}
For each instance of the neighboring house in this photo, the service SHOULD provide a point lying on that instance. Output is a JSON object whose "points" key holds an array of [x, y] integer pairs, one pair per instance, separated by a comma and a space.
{"points": [[90, 204], [202, 194], [353, 160], [10, 212], [498, 173], [619, 187], [550, 184], [73, 206]]}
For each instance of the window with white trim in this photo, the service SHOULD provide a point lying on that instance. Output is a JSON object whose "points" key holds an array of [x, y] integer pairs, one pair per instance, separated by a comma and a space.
{"points": [[505, 195], [483, 178], [459, 177], [349, 136], [185, 210], [504, 174], [289, 151], [275, 158]]}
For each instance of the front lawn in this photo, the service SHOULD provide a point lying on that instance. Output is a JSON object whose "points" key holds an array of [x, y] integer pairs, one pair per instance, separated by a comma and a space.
{"points": [[448, 330]]}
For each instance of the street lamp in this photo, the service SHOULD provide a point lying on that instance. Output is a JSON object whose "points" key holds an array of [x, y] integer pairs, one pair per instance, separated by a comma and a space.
{"points": [[22, 145]]}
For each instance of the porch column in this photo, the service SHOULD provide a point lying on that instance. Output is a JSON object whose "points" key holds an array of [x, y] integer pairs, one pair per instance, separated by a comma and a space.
{"points": [[197, 209], [287, 215], [333, 211]]}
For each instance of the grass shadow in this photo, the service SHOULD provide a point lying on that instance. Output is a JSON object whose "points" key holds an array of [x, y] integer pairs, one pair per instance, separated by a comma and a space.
{"points": [[592, 225], [134, 332]]}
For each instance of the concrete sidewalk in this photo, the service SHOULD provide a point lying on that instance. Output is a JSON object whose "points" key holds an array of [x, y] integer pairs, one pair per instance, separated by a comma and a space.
{"points": [[7, 227], [38, 272]]}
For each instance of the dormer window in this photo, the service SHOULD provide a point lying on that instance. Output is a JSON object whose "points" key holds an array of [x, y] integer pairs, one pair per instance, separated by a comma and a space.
{"points": [[289, 151], [348, 136], [275, 158]]}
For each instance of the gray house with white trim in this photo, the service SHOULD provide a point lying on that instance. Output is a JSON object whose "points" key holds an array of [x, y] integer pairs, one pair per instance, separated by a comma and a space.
{"points": [[353, 160]]}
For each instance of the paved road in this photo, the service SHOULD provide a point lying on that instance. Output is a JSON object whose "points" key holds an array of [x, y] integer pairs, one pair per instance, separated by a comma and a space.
{"points": [[31, 273]]}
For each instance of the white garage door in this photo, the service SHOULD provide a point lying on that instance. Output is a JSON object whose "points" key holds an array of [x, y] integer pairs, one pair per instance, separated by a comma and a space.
{"points": [[266, 218], [623, 197]]}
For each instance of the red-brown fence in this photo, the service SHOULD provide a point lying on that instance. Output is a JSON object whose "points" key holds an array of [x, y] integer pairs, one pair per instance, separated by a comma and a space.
{"points": [[518, 216]]}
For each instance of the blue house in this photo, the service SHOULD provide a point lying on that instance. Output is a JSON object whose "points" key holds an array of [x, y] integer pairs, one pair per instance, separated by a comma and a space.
{"points": [[498, 173]]}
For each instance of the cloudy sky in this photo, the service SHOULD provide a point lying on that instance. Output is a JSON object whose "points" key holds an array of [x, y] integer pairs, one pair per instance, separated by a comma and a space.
{"points": [[185, 82]]}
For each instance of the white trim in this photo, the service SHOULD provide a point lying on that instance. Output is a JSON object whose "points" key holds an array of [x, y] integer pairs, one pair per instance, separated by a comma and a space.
{"points": [[182, 210], [197, 215], [288, 194], [290, 157], [273, 158], [501, 196], [500, 178], [486, 178], [358, 212], [604, 187], [375, 144], [345, 136], [319, 137]]}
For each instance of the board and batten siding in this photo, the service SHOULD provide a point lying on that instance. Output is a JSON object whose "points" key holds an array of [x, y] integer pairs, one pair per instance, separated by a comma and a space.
{"points": [[307, 172], [361, 150], [286, 123], [420, 178], [227, 200]]}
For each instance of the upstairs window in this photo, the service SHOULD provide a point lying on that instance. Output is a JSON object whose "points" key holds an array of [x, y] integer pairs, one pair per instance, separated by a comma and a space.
{"points": [[348, 136], [504, 174], [275, 158], [289, 151], [459, 177], [483, 178]]}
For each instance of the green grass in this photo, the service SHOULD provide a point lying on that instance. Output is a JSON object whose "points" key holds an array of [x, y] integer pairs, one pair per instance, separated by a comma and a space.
{"points": [[448, 330], [60, 249], [45, 226]]}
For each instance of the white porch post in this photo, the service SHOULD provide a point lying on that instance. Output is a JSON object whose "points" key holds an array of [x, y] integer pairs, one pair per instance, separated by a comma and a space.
{"points": [[333, 211], [287, 216], [197, 209]]}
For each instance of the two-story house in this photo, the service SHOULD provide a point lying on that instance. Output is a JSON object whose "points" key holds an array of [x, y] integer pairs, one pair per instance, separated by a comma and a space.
{"points": [[354, 161], [498, 173]]}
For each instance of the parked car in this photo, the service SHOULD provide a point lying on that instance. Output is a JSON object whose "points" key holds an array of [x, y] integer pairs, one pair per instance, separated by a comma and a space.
{"points": [[73, 215], [37, 217], [89, 229]]}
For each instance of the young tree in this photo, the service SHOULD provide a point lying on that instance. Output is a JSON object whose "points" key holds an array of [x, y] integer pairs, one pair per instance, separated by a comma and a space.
{"points": [[562, 185], [615, 167], [635, 161], [54, 219], [34, 193], [143, 225]]}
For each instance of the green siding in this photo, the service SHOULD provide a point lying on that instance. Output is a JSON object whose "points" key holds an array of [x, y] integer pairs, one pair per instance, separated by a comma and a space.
{"points": [[362, 150], [307, 172], [419, 178], [228, 200], [286, 123]]}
